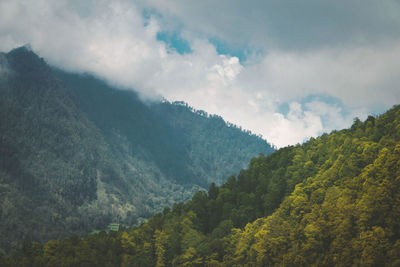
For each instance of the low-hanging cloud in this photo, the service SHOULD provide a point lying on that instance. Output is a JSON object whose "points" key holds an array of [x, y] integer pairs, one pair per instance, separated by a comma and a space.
{"points": [[113, 40], [359, 76]]}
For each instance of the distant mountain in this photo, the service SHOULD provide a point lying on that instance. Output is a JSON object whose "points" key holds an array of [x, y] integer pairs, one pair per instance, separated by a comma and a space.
{"points": [[332, 201], [77, 154], [188, 146]]}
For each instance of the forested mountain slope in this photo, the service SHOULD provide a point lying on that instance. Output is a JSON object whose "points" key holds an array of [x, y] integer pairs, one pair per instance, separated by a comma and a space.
{"points": [[188, 146], [49, 151], [76, 154], [333, 201]]}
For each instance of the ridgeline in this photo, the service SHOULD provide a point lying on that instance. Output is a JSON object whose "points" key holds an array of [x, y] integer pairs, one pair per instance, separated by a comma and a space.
{"points": [[78, 154], [333, 201]]}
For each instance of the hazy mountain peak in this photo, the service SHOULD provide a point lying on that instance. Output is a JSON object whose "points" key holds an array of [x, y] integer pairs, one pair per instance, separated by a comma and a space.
{"points": [[78, 154], [24, 61]]}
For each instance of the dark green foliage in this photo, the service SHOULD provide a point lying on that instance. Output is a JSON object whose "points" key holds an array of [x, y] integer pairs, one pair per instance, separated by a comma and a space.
{"points": [[212, 148], [77, 154], [187, 146], [49, 153], [94, 250], [333, 201]]}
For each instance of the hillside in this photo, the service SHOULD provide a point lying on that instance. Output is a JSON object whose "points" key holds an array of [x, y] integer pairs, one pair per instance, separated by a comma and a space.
{"points": [[188, 146], [333, 201], [77, 154]]}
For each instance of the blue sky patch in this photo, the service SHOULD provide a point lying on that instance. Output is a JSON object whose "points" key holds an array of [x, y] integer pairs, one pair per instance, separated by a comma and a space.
{"points": [[224, 48], [174, 41]]}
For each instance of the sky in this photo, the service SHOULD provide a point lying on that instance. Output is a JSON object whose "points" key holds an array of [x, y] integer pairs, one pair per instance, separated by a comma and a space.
{"points": [[284, 69]]}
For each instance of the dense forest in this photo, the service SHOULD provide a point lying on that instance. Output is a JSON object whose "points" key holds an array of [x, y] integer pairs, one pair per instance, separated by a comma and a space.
{"points": [[332, 201], [188, 146], [77, 154]]}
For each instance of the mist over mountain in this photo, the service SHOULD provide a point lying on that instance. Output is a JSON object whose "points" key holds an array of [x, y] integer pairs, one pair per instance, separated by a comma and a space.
{"points": [[199, 133], [77, 154]]}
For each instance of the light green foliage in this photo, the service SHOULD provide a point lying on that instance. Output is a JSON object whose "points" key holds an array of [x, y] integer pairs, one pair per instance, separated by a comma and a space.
{"points": [[333, 201], [345, 214]]}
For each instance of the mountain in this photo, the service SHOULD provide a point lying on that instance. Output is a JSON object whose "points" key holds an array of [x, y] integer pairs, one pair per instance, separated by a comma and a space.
{"points": [[188, 146], [78, 154], [332, 201]]}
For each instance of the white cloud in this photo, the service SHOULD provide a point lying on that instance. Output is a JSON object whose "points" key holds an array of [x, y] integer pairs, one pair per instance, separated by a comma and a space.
{"points": [[296, 127], [359, 76], [288, 24], [112, 39]]}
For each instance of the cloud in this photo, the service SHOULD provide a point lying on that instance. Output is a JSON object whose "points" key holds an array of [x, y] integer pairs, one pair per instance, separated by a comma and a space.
{"points": [[286, 24], [358, 76], [296, 127], [113, 40]]}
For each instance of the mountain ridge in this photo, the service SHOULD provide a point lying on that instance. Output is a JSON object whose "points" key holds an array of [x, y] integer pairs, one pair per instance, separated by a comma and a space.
{"points": [[332, 201], [63, 170]]}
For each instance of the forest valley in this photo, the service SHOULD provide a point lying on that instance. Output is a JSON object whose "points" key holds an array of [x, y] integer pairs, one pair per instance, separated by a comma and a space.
{"points": [[332, 201]]}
